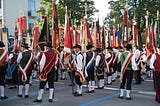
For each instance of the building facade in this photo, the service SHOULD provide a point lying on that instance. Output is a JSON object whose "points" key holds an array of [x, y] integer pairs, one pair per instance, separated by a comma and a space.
{"points": [[10, 10]]}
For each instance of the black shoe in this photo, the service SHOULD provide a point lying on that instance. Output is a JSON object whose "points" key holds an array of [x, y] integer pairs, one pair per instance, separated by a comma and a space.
{"points": [[100, 88], [4, 97], [136, 83], [128, 98], [93, 91], [33, 77], [113, 80], [88, 92], [10, 87], [74, 92], [77, 94], [120, 97], [47, 89], [38, 101], [26, 96], [108, 83], [19, 96], [50, 100]]}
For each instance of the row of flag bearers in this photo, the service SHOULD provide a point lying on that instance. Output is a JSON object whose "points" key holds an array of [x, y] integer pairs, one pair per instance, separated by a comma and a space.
{"points": [[80, 66]]}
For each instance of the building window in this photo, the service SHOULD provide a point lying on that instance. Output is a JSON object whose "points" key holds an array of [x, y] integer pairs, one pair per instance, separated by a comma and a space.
{"points": [[0, 3]]}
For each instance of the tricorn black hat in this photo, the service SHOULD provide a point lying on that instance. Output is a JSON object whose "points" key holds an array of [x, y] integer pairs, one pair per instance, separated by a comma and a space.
{"points": [[25, 45], [48, 44], [2, 44], [98, 49], [109, 47], [89, 46], [77, 46], [128, 46]]}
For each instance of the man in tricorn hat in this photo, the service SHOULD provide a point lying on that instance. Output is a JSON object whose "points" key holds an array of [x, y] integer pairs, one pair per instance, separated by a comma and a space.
{"points": [[78, 66], [128, 65], [155, 66], [89, 62], [3, 56], [24, 60], [62, 64], [99, 67], [46, 69], [109, 60]]}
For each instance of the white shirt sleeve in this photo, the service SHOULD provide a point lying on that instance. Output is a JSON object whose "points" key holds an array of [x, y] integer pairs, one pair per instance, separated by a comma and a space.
{"points": [[10, 56], [97, 60], [19, 57], [153, 58], [79, 62], [42, 62], [137, 54], [61, 57], [133, 62], [107, 55]]}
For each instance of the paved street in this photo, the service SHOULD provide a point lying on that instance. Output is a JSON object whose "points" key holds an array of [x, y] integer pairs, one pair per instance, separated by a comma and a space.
{"points": [[143, 95]]}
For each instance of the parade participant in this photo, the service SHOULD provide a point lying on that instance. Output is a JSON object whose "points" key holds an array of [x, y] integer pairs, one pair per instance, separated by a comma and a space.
{"points": [[61, 61], [3, 56], [148, 69], [12, 74], [114, 64], [89, 57], [35, 62], [128, 65], [100, 63], [79, 78], [109, 69], [71, 71], [155, 66], [46, 71], [120, 51], [137, 55], [143, 64], [25, 59]]}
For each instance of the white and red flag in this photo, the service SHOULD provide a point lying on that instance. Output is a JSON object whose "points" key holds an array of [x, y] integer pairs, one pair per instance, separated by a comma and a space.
{"points": [[68, 45]]}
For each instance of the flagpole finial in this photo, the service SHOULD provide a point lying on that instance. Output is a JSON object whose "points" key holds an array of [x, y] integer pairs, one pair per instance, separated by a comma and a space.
{"points": [[66, 8], [147, 13], [86, 8], [4, 24], [157, 14]]}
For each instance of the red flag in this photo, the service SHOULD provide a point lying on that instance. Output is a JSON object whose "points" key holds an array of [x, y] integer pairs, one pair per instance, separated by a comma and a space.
{"points": [[75, 36], [15, 36], [153, 39], [35, 34], [114, 36], [24, 26], [55, 29], [126, 25], [67, 38], [149, 48], [87, 39], [135, 33], [108, 38], [103, 38]]}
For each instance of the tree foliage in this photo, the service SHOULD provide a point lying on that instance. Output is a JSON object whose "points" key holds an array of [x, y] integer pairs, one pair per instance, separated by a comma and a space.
{"points": [[137, 9], [75, 8]]}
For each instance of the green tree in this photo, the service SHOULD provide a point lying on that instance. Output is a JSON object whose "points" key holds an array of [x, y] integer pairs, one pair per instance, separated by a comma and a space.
{"points": [[75, 8], [137, 9]]}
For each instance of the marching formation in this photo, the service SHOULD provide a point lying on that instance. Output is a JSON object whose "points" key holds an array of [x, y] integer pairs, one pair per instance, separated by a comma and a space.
{"points": [[98, 66]]}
